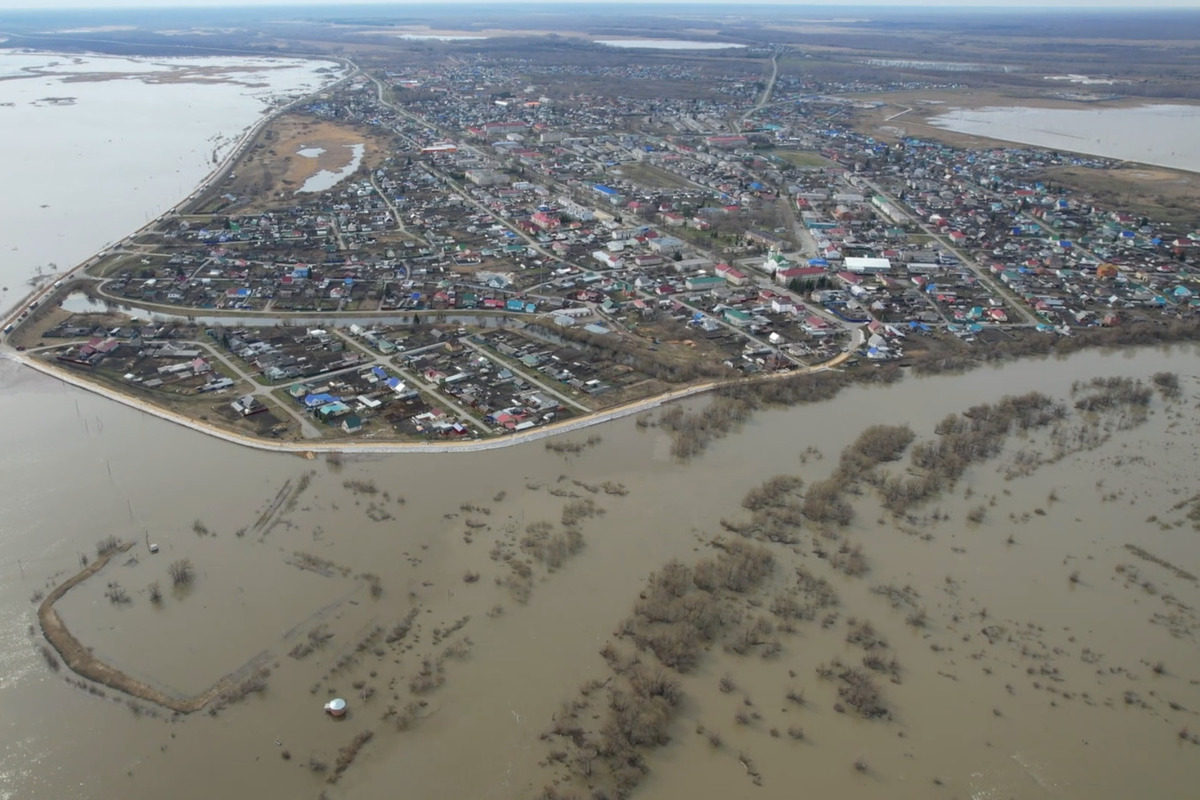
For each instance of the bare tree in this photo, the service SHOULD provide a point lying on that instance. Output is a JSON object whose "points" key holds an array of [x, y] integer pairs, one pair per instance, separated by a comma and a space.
{"points": [[181, 572]]}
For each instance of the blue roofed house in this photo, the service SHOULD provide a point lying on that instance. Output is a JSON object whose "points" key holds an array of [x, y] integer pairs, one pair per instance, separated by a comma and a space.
{"points": [[318, 400]]}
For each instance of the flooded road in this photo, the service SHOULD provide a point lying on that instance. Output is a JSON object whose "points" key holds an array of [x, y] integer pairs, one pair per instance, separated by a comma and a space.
{"points": [[1023, 682]]}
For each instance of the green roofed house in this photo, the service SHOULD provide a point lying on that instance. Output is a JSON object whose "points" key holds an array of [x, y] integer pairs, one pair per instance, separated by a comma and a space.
{"points": [[700, 282], [332, 410]]}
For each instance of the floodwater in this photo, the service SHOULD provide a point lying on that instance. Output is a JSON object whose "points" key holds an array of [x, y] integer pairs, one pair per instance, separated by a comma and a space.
{"points": [[110, 155], [1154, 134], [1065, 703], [79, 468], [326, 179]]}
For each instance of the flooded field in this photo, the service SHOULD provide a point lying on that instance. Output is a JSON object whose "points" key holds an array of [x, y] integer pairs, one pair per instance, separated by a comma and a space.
{"points": [[1153, 134], [326, 179], [300, 154], [1026, 632]]}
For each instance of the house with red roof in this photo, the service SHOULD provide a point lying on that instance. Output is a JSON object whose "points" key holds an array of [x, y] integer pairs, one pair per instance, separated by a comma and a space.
{"points": [[731, 275]]}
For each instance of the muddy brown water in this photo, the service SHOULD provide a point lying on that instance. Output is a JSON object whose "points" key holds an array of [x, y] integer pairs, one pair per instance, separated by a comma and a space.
{"points": [[76, 469]]}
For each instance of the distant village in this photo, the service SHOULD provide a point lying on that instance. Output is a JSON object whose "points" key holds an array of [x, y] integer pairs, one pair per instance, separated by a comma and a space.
{"points": [[516, 257]]}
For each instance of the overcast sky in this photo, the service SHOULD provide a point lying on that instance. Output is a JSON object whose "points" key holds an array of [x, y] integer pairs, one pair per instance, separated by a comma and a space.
{"points": [[9, 5]]}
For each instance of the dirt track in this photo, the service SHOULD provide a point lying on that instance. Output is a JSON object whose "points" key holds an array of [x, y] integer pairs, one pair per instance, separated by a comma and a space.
{"points": [[79, 658]]}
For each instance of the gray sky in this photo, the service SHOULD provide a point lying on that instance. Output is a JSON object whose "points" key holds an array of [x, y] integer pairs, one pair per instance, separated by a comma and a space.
{"points": [[1047, 4]]}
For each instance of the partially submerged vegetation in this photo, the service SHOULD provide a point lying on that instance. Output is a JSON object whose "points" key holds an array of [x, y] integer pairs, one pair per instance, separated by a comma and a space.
{"points": [[613, 725], [735, 404], [737, 604], [752, 596]]}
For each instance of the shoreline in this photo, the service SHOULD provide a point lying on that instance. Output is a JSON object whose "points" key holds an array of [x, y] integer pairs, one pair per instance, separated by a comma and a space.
{"points": [[921, 113], [953, 120], [310, 449], [239, 148]]}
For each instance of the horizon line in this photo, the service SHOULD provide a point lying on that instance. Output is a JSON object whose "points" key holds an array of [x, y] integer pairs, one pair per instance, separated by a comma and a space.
{"points": [[1024, 6]]}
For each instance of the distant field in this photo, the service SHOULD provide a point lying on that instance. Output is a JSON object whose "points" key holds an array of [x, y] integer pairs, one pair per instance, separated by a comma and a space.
{"points": [[653, 177], [1158, 193], [802, 158]]}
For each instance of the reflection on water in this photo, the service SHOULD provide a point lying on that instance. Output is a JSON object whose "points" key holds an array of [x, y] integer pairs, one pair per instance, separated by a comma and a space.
{"points": [[325, 179]]}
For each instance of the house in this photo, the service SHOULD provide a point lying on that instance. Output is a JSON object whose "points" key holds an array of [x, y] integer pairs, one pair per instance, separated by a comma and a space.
{"points": [[546, 220], [216, 385], [331, 411], [731, 275], [815, 326], [608, 259], [702, 282], [666, 244], [352, 423], [248, 405], [765, 239], [318, 400], [738, 318], [802, 274]]}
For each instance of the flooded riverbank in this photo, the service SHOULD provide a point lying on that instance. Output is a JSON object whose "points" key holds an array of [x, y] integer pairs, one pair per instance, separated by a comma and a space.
{"points": [[156, 128], [489, 613], [1150, 134]]}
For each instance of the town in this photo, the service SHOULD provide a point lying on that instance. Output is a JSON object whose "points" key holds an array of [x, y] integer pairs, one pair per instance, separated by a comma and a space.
{"points": [[513, 243]]}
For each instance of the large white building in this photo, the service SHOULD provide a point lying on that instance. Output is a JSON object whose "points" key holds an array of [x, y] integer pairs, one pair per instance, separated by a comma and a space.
{"points": [[486, 177], [576, 210], [868, 265], [610, 260]]}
